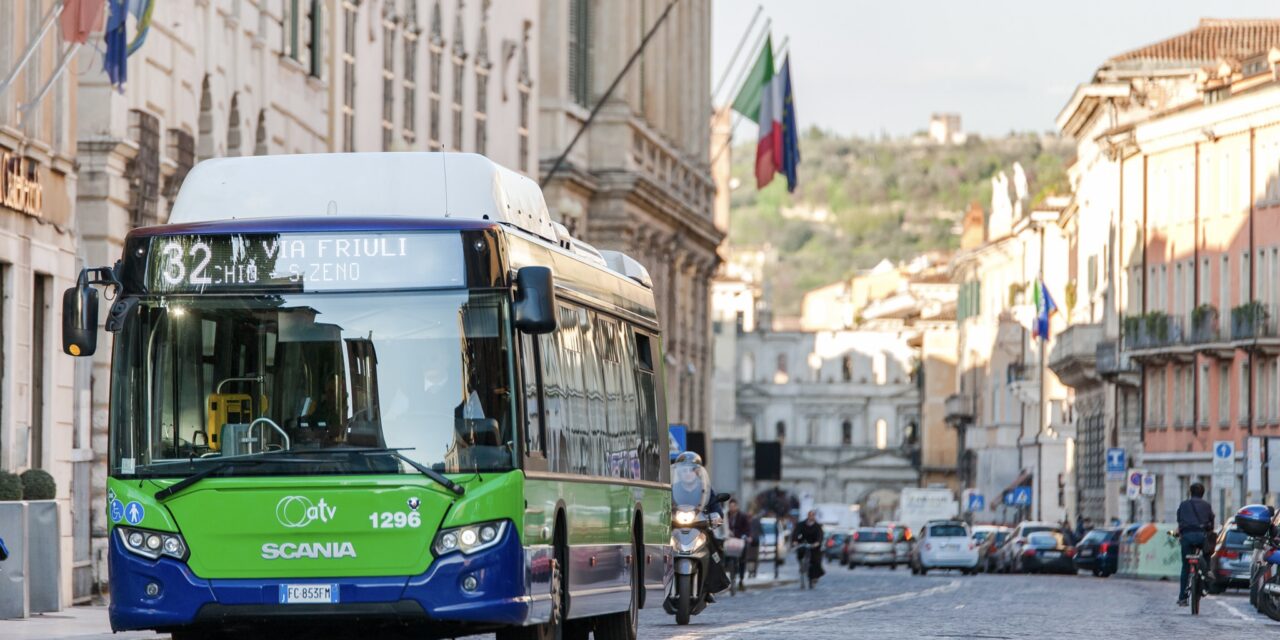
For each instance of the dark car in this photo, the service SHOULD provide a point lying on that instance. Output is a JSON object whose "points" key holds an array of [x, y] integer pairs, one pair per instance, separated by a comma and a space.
{"points": [[1099, 552], [1232, 560], [833, 547], [1046, 552]]}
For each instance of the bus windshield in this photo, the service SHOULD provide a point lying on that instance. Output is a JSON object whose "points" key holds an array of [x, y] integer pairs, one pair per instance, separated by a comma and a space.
{"points": [[202, 379]]}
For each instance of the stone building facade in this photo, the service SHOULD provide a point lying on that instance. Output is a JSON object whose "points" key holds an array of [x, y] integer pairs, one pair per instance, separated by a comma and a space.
{"points": [[639, 179], [843, 405], [43, 418]]}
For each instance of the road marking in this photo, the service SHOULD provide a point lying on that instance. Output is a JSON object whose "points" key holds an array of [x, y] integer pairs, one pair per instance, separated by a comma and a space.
{"points": [[725, 632], [1234, 611]]}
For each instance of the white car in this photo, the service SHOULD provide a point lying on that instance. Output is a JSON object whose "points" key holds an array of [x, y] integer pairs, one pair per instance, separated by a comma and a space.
{"points": [[945, 544]]}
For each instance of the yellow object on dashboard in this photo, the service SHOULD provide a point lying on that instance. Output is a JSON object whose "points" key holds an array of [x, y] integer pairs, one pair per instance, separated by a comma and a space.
{"points": [[229, 408]]}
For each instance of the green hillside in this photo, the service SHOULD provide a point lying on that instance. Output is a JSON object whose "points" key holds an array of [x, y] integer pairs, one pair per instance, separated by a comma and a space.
{"points": [[862, 200]]}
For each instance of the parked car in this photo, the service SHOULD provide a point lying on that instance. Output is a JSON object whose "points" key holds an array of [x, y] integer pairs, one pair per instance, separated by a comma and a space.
{"points": [[767, 556], [1011, 550], [833, 547], [903, 541], [1099, 552], [1232, 560], [945, 544], [989, 539], [1046, 552], [872, 546]]}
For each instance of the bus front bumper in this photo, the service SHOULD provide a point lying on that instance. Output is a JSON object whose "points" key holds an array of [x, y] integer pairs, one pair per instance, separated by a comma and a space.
{"points": [[183, 599]]}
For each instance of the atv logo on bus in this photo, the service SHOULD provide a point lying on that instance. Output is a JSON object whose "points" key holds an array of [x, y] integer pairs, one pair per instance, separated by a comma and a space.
{"points": [[313, 550], [297, 511]]}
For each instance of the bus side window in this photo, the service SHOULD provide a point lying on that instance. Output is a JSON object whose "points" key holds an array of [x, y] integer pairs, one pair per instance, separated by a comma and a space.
{"points": [[555, 403], [652, 443], [535, 430]]}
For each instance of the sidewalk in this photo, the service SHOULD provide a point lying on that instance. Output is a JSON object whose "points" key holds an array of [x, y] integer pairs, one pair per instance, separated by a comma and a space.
{"points": [[82, 623]]}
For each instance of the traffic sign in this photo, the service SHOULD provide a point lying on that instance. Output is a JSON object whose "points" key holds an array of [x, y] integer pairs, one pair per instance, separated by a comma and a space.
{"points": [[678, 439], [1133, 483], [1115, 463], [1148, 484], [976, 502], [1019, 497], [1224, 463]]}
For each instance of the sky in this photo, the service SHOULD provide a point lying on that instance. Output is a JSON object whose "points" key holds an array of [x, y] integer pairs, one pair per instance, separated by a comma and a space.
{"points": [[862, 67]]}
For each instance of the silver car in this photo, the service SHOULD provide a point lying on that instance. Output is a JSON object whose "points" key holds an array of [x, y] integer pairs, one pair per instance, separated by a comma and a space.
{"points": [[871, 546]]}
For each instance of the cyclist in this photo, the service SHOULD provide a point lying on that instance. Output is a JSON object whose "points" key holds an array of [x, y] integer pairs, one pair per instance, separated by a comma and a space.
{"points": [[810, 532], [1195, 523]]}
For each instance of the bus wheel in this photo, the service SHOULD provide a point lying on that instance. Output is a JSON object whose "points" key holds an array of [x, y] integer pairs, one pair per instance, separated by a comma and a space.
{"points": [[553, 629]]}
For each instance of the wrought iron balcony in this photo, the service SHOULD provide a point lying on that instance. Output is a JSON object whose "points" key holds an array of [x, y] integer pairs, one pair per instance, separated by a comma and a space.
{"points": [[1114, 364], [1251, 321]]}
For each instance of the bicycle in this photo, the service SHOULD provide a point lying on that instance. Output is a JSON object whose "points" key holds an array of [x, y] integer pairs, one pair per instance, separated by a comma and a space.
{"points": [[804, 559], [1198, 578]]}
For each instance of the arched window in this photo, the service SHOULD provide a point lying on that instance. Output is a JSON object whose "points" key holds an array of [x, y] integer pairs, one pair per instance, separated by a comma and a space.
{"points": [[233, 126], [882, 434], [204, 124], [260, 135], [846, 433], [846, 368]]}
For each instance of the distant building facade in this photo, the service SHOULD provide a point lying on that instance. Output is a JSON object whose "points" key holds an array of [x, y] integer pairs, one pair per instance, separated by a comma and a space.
{"points": [[639, 180], [844, 407], [44, 417]]}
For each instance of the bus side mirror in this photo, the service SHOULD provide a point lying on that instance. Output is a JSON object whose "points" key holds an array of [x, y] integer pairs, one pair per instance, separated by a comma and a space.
{"points": [[80, 319], [535, 308]]}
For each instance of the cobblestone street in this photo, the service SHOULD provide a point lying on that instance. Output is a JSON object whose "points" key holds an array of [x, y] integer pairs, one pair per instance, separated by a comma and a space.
{"points": [[881, 603], [869, 603]]}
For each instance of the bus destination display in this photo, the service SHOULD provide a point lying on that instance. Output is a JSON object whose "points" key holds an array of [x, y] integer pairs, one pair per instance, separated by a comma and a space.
{"points": [[304, 262]]}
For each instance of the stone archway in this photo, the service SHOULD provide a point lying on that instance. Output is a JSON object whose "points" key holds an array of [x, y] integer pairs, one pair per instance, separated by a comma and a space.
{"points": [[879, 503]]}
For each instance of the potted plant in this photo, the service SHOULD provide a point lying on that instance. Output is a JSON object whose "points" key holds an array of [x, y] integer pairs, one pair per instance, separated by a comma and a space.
{"points": [[29, 527], [13, 529]]}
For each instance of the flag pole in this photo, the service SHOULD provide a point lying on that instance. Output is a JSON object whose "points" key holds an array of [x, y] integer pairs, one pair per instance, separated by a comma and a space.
{"points": [[1043, 403], [738, 50], [737, 117], [607, 93]]}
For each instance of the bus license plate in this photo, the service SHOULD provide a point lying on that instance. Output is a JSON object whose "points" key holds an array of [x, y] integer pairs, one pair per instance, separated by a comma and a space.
{"points": [[308, 594]]}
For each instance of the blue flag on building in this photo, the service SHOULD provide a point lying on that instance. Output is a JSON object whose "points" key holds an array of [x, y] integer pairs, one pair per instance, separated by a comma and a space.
{"points": [[116, 60], [1045, 308], [790, 136]]}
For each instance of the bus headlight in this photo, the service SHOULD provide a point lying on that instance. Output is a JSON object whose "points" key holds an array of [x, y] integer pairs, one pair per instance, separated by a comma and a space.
{"points": [[153, 544], [468, 539]]}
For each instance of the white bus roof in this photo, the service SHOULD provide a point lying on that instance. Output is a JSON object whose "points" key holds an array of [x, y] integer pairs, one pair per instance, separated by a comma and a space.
{"points": [[407, 184], [464, 186]]}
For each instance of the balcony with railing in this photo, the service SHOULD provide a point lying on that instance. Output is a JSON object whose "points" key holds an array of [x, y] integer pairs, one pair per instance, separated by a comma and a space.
{"points": [[1208, 334], [1075, 353], [1114, 364], [1155, 337], [1253, 327], [959, 409]]}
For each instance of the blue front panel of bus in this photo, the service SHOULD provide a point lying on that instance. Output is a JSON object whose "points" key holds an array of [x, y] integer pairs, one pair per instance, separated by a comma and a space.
{"points": [[498, 597]]}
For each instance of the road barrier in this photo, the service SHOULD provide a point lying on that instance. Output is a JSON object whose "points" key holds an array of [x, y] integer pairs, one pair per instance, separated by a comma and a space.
{"points": [[1147, 552]]}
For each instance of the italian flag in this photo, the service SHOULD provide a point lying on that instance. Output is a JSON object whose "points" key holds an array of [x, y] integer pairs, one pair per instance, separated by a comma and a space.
{"points": [[761, 100]]}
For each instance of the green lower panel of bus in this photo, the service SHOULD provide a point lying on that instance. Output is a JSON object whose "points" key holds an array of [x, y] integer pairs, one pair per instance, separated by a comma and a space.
{"points": [[313, 526]]}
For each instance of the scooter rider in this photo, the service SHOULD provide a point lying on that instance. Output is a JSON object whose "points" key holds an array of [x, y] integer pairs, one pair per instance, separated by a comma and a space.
{"points": [[717, 579]]}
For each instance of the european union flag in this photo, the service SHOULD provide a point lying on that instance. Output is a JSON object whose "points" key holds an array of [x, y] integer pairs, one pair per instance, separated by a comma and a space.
{"points": [[790, 138]]}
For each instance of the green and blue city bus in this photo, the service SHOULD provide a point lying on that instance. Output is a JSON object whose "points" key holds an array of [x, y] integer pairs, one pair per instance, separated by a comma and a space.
{"points": [[382, 389]]}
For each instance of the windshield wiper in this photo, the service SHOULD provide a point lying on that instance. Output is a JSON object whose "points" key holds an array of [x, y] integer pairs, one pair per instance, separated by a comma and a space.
{"points": [[168, 491], [439, 478]]}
